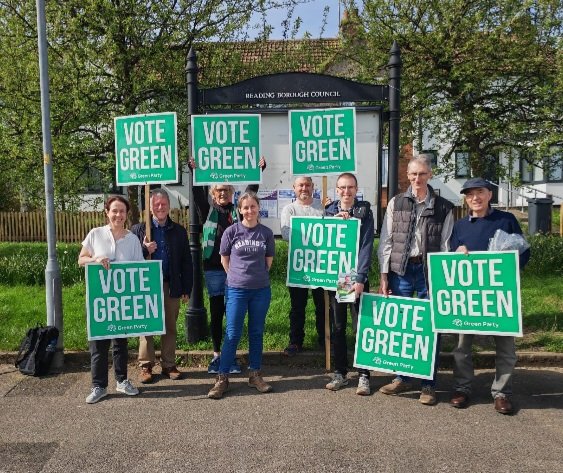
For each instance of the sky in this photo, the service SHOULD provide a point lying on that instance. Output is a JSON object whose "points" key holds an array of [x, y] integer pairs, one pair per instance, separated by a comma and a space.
{"points": [[311, 14]]}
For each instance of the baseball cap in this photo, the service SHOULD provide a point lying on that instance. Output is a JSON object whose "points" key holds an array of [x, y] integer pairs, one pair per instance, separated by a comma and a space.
{"points": [[474, 183]]}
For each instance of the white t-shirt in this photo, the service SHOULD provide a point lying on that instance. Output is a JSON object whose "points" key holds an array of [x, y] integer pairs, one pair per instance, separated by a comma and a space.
{"points": [[100, 242]]}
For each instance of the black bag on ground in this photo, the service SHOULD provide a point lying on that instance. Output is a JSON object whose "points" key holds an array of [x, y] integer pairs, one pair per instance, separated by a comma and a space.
{"points": [[37, 350]]}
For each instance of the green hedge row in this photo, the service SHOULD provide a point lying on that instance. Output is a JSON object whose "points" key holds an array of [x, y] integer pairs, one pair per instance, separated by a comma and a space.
{"points": [[24, 263]]}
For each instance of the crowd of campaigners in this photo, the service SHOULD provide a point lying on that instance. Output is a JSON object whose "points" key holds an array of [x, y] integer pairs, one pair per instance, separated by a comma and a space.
{"points": [[238, 251]]}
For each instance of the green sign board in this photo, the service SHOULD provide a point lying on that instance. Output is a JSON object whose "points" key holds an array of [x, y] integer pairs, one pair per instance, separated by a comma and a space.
{"points": [[476, 293], [323, 141], [395, 335], [226, 149], [124, 301], [321, 248], [145, 149]]}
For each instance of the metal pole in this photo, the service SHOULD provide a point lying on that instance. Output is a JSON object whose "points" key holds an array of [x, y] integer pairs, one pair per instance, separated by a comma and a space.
{"points": [[196, 317], [53, 288], [394, 67]]}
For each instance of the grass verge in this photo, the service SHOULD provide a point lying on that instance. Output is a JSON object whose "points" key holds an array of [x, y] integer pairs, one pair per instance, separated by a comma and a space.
{"points": [[23, 306]]}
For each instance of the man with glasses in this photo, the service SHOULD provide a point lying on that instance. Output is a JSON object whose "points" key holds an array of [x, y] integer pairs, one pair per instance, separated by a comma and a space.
{"points": [[350, 207], [217, 212], [303, 206], [472, 234], [417, 222]]}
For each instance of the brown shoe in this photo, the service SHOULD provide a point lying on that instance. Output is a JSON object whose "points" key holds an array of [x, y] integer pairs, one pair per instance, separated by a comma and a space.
{"points": [[503, 405], [459, 400], [395, 387], [428, 396], [220, 388], [172, 373], [145, 376], [255, 381]]}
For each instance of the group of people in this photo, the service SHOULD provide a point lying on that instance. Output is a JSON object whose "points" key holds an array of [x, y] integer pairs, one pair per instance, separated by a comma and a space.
{"points": [[238, 252]]}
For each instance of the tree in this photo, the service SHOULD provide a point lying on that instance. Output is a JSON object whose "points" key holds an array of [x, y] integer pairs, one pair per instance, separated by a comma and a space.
{"points": [[481, 75], [106, 58]]}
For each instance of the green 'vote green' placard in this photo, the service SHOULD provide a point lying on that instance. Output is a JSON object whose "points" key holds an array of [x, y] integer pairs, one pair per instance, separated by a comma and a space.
{"points": [[146, 150], [476, 293], [321, 248], [395, 335], [226, 149], [322, 141], [124, 301]]}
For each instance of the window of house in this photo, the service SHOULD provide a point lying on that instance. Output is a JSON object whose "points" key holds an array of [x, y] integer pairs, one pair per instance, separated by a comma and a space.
{"points": [[555, 168], [433, 153], [530, 172], [462, 169]]}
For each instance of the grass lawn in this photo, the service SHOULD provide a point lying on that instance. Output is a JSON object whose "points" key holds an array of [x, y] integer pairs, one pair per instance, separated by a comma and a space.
{"points": [[23, 306]]}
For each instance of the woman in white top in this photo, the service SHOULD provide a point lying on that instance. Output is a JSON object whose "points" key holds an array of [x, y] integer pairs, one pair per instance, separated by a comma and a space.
{"points": [[112, 242]]}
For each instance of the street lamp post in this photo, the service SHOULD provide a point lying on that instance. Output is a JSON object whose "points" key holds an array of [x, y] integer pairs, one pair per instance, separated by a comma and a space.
{"points": [[52, 271]]}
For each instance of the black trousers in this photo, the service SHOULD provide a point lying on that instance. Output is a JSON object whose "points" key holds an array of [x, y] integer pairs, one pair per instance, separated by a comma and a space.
{"points": [[339, 313], [99, 356], [299, 297]]}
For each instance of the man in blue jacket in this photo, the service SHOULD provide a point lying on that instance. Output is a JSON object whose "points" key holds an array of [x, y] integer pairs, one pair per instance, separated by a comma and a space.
{"points": [[169, 243], [350, 207], [472, 233]]}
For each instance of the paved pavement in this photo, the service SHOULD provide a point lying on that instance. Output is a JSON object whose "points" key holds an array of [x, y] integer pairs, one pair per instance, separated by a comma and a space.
{"points": [[45, 426]]}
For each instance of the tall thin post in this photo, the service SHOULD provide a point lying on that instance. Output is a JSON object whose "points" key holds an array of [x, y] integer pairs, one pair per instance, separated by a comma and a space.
{"points": [[53, 289], [196, 317], [394, 67]]}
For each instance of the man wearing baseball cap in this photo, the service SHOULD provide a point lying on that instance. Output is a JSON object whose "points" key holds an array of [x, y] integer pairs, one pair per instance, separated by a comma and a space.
{"points": [[472, 233]]}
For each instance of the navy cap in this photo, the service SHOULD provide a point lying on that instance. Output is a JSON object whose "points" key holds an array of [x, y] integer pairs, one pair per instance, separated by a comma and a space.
{"points": [[474, 183]]}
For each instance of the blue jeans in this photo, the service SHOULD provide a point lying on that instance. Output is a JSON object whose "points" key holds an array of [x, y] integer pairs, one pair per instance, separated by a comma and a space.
{"points": [[238, 302], [215, 282], [405, 286]]}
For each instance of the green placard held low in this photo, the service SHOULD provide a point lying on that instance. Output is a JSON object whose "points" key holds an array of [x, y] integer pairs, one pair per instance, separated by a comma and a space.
{"points": [[322, 141], [146, 149], [476, 293], [124, 301], [395, 335], [226, 149], [321, 248]]}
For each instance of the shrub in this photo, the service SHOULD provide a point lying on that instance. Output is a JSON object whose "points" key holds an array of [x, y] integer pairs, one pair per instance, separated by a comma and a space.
{"points": [[546, 254]]}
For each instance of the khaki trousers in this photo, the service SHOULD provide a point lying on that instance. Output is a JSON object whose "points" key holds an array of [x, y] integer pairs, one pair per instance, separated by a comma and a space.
{"points": [[167, 341]]}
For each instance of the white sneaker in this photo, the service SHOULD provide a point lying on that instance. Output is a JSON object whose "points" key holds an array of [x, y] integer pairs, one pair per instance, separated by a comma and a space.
{"points": [[96, 394], [338, 382], [126, 387], [363, 386]]}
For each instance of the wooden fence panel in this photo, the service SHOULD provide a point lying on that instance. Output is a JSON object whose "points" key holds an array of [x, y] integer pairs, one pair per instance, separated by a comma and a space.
{"points": [[71, 227]]}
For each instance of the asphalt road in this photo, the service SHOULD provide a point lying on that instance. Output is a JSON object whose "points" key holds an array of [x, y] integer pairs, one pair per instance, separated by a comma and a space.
{"points": [[45, 426]]}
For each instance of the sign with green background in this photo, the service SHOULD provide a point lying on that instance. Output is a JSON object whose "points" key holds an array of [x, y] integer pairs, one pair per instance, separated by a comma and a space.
{"points": [[124, 301], [321, 248], [226, 149], [322, 141], [146, 149], [395, 335], [476, 293]]}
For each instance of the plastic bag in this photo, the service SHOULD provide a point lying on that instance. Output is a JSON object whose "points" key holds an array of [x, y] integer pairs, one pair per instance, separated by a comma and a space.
{"points": [[503, 241]]}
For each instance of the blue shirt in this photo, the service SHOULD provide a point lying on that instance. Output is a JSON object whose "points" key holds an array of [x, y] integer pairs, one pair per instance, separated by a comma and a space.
{"points": [[161, 252], [475, 232]]}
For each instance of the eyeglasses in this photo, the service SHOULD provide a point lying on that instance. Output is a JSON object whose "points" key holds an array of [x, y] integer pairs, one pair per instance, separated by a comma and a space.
{"points": [[225, 191], [419, 174], [345, 188]]}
